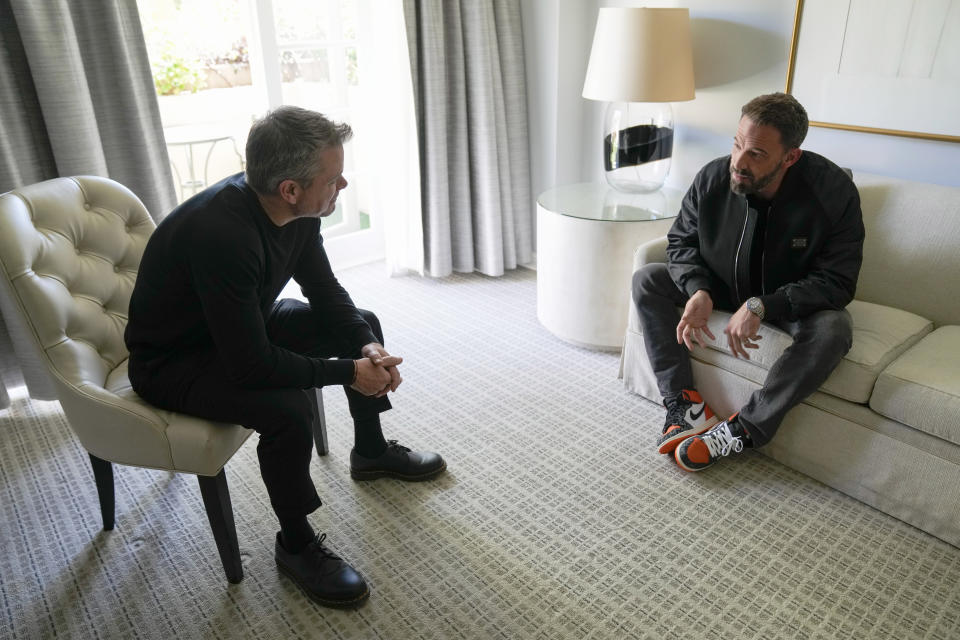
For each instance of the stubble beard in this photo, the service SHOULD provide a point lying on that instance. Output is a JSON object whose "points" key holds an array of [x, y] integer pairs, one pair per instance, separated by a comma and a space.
{"points": [[757, 184]]}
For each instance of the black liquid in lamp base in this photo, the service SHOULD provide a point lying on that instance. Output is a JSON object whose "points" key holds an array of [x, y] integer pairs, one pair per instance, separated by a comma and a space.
{"points": [[639, 144]]}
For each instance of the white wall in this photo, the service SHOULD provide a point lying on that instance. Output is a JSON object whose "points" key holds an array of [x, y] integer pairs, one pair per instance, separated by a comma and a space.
{"points": [[557, 37], [741, 49]]}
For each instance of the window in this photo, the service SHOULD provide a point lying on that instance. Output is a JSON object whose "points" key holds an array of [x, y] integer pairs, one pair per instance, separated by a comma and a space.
{"points": [[218, 64]]}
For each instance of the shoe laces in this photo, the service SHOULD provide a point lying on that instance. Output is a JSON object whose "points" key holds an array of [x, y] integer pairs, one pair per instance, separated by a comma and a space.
{"points": [[676, 411], [393, 444], [318, 542], [720, 441]]}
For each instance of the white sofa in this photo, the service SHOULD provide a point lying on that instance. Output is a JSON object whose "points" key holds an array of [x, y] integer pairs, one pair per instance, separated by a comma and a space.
{"points": [[885, 427]]}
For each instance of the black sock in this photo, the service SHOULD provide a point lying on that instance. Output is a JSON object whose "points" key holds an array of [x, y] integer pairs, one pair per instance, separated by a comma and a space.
{"points": [[737, 429], [368, 437], [296, 533]]}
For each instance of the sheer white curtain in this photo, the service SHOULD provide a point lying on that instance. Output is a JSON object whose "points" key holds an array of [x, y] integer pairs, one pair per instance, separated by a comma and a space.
{"points": [[390, 149]]}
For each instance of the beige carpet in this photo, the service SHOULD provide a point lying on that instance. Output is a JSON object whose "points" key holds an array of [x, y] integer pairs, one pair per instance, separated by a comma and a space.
{"points": [[556, 520]]}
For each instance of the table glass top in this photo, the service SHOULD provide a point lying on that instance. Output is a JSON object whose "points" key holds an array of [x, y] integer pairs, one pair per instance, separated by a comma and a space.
{"points": [[598, 201]]}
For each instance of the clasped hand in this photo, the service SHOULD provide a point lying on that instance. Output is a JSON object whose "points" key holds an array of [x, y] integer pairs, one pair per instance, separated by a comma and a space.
{"points": [[377, 372], [741, 331]]}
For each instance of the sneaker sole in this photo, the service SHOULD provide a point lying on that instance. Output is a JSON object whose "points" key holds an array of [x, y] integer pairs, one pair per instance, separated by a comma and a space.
{"points": [[335, 604], [668, 446], [373, 474], [691, 469]]}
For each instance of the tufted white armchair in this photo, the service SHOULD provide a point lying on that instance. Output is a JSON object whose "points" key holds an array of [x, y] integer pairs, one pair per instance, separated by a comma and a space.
{"points": [[69, 253]]}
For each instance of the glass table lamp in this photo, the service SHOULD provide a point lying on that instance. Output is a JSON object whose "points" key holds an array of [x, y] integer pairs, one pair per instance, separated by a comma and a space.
{"points": [[641, 61]]}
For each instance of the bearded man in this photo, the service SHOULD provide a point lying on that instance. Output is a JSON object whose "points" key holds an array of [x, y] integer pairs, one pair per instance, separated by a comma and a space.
{"points": [[772, 234]]}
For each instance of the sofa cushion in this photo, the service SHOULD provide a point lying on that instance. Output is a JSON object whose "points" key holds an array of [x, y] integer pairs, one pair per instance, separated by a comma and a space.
{"points": [[880, 335], [921, 388]]}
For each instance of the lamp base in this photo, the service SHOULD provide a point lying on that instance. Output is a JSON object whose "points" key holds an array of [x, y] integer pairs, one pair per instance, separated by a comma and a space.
{"points": [[637, 145]]}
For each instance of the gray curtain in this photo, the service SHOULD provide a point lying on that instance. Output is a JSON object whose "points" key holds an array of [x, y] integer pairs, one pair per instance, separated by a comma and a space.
{"points": [[470, 94], [76, 97]]}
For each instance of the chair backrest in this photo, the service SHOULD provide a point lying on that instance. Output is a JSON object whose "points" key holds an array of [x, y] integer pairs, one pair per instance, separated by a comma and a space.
{"points": [[70, 249]]}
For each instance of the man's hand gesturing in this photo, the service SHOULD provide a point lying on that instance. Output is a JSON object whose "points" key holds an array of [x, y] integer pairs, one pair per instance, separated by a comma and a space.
{"points": [[694, 320], [742, 332], [377, 372]]}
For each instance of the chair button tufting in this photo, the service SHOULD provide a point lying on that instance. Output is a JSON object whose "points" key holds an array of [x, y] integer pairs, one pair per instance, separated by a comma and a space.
{"points": [[86, 205]]}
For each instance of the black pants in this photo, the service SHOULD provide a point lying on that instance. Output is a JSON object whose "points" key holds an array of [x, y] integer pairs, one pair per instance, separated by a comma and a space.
{"points": [[820, 341], [197, 385]]}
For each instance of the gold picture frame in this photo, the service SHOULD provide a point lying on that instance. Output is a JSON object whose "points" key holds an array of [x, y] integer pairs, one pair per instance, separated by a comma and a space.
{"points": [[791, 71]]}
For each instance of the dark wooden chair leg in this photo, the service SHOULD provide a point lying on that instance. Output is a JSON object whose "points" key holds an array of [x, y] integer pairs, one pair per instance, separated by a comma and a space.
{"points": [[103, 476], [216, 500], [319, 422]]}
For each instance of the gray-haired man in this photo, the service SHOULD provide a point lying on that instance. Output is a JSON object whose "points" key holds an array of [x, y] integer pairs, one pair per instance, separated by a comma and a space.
{"points": [[208, 337]]}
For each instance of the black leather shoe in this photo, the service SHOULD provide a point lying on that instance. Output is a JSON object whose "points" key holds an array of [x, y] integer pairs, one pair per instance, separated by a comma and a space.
{"points": [[324, 577], [397, 462]]}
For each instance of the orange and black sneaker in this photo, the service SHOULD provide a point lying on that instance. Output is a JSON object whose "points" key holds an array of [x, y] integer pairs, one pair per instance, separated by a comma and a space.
{"points": [[687, 415], [699, 452]]}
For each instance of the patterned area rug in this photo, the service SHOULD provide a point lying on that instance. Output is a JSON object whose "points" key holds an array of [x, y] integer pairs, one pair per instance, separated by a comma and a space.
{"points": [[557, 519]]}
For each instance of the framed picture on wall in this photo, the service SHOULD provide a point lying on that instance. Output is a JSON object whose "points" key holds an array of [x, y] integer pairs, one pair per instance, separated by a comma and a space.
{"points": [[889, 66]]}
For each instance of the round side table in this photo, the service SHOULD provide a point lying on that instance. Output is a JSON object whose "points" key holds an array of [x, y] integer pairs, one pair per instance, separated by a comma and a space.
{"points": [[586, 237]]}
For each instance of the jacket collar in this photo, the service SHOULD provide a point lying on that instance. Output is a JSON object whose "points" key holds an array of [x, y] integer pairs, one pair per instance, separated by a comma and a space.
{"points": [[792, 179]]}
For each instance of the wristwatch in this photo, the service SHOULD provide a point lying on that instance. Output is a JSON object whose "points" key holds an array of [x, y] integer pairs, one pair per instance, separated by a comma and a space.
{"points": [[755, 306]]}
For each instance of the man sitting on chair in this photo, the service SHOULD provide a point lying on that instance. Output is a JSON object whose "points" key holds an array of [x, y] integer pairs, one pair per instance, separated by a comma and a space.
{"points": [[208, 337]]}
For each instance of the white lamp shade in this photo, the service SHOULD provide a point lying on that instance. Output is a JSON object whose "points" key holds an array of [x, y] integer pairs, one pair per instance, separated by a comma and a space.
{"points": [[641, 55]]}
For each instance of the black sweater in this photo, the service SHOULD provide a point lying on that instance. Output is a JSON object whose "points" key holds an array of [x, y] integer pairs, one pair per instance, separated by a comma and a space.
{"points": [[209, 276]]}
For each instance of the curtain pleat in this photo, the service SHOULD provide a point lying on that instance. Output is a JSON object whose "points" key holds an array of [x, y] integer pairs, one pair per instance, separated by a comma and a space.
{"points": [[76, 98], [469, 87], [25, 153], [84, 92]]}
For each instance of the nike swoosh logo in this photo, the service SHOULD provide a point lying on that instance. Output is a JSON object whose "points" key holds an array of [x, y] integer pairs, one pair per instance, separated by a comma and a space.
{"points": [[695, 415]]}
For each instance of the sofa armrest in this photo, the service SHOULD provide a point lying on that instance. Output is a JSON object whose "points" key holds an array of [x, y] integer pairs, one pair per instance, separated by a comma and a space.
{"points": [[651, 251]]}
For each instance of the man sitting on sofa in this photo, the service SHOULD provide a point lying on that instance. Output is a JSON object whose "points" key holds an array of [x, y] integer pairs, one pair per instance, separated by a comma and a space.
{"points": [[770, 233], [207, 336]]}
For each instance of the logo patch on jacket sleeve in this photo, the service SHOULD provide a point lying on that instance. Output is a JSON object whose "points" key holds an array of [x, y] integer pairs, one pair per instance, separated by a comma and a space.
{"points": [[798, 243]]}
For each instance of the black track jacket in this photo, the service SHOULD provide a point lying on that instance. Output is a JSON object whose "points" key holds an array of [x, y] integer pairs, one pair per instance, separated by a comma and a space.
{"points": [[813, 245]]}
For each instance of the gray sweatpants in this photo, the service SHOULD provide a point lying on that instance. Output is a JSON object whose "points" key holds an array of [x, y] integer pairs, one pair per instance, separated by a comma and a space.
{"points": [[820, 341]]}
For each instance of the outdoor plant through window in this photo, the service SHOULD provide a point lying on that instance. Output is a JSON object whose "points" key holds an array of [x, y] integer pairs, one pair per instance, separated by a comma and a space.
{"points": [[211, 83]]}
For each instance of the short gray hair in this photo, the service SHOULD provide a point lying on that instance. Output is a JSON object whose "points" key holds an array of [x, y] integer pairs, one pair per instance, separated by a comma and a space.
{"points": [[285, 145], [782, 112]]}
